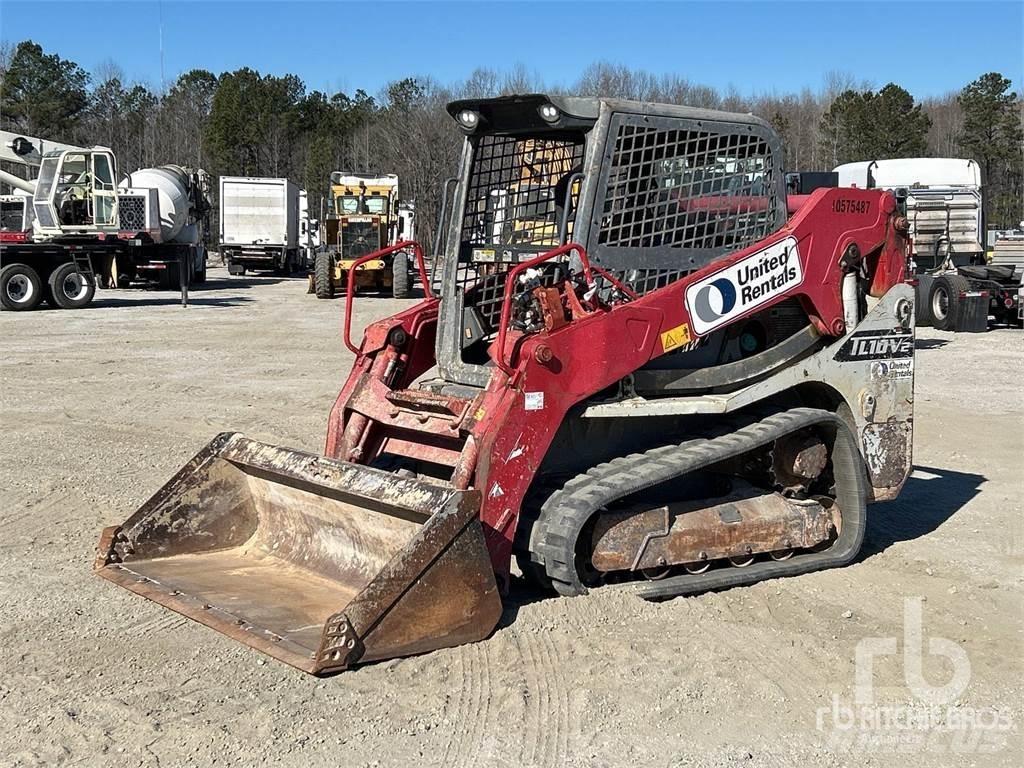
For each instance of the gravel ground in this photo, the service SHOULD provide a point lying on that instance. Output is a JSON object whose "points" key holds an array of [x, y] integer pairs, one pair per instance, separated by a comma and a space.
{"points": [[100, 407]]}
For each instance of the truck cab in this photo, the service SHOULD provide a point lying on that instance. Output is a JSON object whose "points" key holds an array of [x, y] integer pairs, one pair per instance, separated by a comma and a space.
{"points": [[944, 205], [947, 226], [15, 218]]}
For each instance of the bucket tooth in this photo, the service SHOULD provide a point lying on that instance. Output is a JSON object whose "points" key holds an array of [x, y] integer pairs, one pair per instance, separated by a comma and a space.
{"points": [[317, 562]]}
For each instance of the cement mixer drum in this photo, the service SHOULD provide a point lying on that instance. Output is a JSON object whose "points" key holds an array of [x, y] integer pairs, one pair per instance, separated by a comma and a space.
{"points": [[172, 184]]}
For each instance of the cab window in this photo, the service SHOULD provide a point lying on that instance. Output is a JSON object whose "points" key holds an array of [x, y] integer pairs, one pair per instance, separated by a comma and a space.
{"points": [[348, 204], [376, 204]]}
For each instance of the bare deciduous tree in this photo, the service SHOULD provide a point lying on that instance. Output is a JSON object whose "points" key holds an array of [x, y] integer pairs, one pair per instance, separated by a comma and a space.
{"points": [[243, 122]]}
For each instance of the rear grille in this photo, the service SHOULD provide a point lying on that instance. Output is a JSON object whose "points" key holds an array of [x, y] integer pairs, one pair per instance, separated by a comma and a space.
{"points": [[131, 212], [359, 239]]}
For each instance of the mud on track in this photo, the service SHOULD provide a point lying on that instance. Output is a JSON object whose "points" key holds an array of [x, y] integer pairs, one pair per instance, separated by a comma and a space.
{"points": [[100, 406]]}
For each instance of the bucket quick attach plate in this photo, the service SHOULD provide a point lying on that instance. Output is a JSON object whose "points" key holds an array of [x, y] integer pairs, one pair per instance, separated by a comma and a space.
{"points": [[317, 562]]}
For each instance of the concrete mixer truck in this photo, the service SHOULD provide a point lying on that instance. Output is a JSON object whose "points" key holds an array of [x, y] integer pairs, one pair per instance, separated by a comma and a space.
{"points": [[81, 229]]}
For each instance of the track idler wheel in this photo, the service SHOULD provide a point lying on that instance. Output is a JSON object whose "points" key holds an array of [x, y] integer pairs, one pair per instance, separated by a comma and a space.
{"points": [[797, 460]]}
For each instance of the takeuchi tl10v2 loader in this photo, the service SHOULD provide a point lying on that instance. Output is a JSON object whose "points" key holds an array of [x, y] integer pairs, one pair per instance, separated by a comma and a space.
{"points": [[642, 365]]}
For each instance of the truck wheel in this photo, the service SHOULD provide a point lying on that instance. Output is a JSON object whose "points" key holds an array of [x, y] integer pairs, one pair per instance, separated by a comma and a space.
{"points": [[400, 275], [69, 289], [923, 309], [20, 288], [322, 275], [944, 300]]}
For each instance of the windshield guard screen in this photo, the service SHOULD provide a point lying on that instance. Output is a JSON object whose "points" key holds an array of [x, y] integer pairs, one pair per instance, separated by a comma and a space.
{"points": [[517, 190]]}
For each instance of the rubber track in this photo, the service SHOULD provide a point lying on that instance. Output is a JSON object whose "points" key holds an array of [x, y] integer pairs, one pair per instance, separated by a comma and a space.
{"points": [[567, 511]]}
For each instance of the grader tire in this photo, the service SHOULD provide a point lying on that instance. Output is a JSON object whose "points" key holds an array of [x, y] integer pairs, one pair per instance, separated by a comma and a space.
{"points": [[322, 275], [400, 276]]}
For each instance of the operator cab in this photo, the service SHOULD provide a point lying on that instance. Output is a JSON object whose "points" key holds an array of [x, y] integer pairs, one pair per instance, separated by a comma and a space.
{"points": [[651, 196], [375, 204], [76, 192]]}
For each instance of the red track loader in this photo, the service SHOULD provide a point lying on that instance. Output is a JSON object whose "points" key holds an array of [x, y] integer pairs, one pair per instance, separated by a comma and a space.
{"points": [[638, 365]]}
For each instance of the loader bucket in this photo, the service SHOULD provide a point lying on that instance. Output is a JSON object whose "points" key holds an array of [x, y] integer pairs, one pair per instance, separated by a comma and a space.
{"points": [[319, 563]]}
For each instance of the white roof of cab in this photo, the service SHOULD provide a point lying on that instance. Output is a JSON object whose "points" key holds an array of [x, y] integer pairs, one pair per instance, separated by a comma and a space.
{"points": [[912, 171]]}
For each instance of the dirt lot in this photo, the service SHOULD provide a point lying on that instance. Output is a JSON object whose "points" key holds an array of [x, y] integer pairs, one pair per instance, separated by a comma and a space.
{"points": [[102, 405]]}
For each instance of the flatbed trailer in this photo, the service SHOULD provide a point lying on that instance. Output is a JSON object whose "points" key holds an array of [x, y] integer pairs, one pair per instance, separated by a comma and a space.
{"points": [[66, 272]]}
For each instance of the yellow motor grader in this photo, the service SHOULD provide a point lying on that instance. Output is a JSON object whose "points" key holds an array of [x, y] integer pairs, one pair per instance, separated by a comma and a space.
{"points": [[365, 216]]}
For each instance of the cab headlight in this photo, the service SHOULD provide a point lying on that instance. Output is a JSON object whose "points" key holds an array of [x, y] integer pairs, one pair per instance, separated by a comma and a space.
{"points": [[468, 119], [549, 112]]}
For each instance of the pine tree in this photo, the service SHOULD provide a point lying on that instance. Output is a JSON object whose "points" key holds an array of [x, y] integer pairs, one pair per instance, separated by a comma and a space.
{"points": [[42, 94], [992, 135]]}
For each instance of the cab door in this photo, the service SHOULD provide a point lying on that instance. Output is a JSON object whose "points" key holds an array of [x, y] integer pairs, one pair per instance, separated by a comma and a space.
{"points": [[43, 198], [104, 192]]}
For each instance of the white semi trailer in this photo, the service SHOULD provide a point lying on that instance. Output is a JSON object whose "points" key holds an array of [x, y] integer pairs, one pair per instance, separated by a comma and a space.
{"points": [[309, 232], [947, 227], [259, 224]]}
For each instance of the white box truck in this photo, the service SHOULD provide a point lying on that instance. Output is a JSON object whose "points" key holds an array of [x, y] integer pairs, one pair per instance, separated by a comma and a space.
{"points": [[259, 224]]}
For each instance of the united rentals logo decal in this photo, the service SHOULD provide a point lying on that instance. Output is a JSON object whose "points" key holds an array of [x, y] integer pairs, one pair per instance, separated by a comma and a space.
{"points": [[747, 284], [877, 345]]}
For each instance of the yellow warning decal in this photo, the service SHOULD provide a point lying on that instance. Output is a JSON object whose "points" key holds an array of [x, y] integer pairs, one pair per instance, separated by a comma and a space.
{"points": [[676, 337], [479, 415]]}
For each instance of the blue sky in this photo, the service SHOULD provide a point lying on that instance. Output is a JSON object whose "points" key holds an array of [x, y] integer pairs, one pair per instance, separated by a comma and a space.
{"points": [[928, 46]]}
